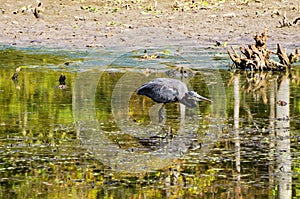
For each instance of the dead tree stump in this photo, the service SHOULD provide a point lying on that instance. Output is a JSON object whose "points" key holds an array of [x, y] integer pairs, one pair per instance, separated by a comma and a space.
{"points": [[257, 56]]}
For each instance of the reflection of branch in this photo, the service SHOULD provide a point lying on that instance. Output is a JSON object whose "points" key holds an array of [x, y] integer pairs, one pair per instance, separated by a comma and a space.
{"points": [[248, 111], [15, 78], [16, 74], [283, 146], [230, 82], [16, 82], [258, 83]]}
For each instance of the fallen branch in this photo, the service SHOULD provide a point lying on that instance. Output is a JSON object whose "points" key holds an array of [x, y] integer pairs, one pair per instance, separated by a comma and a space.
{"points": [[286, 23]]}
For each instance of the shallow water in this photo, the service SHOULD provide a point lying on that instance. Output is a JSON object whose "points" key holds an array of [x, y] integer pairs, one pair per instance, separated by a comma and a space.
{"points": [[98, 139]]}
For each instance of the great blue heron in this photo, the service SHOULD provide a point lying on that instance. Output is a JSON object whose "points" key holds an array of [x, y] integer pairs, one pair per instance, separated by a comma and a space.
{"points": [[167, 90]]}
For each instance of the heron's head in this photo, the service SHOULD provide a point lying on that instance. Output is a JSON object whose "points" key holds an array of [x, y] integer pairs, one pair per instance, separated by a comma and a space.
{"points": [[191, 97]]}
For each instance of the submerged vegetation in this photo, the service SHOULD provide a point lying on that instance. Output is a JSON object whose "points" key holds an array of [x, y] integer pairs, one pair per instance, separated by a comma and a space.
{"points": [[43, 155]]}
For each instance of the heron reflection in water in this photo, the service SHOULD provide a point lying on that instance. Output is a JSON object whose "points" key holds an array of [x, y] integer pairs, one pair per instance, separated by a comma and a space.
{"points": [[167, 90]]}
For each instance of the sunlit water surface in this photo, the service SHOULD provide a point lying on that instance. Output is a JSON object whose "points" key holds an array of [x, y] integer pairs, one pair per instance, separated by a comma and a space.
{"points": [[97, 138]]}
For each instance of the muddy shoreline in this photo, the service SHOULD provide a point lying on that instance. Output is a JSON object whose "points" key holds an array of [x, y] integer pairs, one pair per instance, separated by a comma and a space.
{"points": [[95, 24]]}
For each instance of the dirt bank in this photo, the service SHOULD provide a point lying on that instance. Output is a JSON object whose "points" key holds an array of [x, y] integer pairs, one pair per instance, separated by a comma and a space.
{"points": [[88, 24]]}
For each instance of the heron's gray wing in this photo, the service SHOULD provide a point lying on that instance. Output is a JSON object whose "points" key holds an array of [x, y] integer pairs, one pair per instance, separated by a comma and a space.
{"points": [[169, 94], [158, 92]]}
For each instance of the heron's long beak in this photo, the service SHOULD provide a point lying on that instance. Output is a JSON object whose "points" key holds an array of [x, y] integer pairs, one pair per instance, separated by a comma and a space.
{"points": [[199, 97], [203, 99]]}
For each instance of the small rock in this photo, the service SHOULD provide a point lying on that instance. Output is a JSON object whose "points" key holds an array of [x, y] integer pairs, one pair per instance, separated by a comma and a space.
{"points": [[229, 15], [90, 45], [78, 18], [212, 16]]}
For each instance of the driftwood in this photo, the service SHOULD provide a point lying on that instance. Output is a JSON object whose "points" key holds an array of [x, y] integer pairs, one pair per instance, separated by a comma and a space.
{"points": [[180, 72], [286, 23], [257, 56]]}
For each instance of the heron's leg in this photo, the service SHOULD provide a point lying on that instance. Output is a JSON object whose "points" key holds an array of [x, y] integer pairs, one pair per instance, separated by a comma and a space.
{"points": [[161, 114]]}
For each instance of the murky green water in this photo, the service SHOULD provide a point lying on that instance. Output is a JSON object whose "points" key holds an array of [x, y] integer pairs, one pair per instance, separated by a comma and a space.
{"points": [[98, 139]]}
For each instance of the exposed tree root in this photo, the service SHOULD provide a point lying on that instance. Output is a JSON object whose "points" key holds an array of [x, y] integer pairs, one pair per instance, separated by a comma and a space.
{"points": [[257, 56]]}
